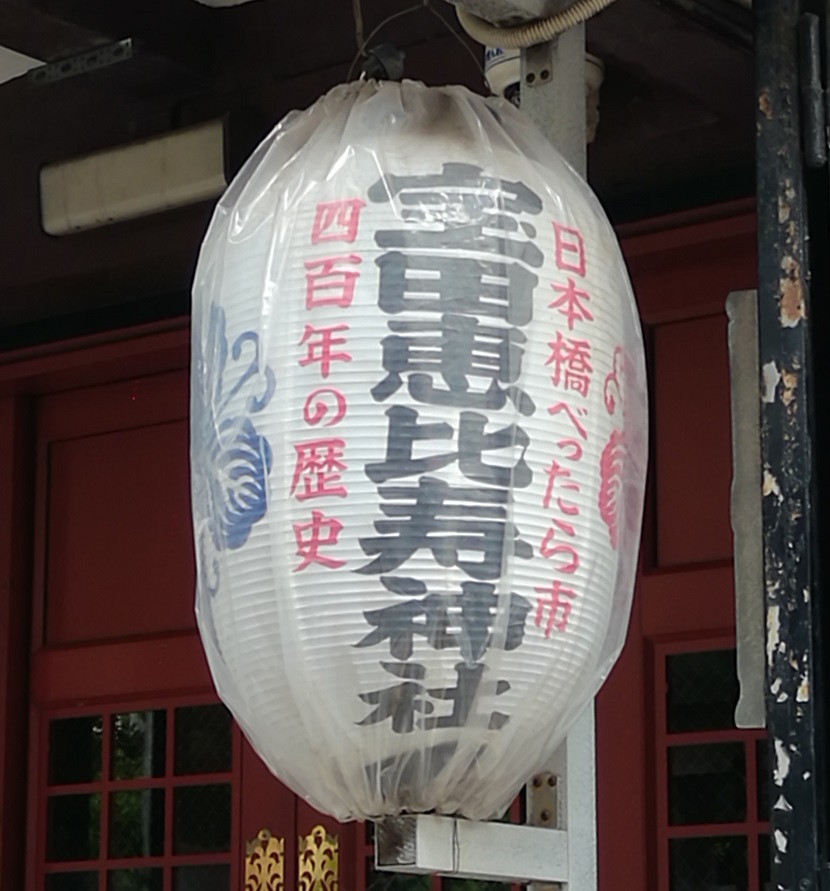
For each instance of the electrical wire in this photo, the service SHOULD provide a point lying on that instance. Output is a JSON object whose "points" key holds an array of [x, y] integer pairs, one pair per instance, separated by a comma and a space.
{"points": [[532, 33], [383, 24], [357, 10], [457, 36], [424, 4]]}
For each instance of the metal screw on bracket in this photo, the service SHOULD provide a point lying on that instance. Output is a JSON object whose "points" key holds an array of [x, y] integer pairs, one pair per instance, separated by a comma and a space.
{"points": [[530, 78], [542, 800]]}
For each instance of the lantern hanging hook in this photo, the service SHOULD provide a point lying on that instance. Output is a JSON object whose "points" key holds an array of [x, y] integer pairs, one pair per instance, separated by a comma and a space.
{"points": [[383, 62], [422, 4], [532, 33]]}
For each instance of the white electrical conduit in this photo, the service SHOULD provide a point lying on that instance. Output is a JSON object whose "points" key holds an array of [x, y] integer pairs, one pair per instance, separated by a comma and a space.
{"points": [[532, 33]]}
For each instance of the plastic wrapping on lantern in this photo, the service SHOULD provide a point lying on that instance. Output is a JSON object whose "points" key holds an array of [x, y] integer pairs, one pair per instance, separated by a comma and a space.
{"points": [[418, 450]]}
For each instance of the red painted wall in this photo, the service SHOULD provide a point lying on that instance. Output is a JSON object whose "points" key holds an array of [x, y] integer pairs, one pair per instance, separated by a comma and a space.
{"points": [[107, 418]]}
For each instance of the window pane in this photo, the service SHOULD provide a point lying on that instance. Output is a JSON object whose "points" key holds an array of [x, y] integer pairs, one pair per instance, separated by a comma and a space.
{"points": [[202, 878], [707, 784], [391, 881], [708, 864], [136, 823], [762, 770], [72, 827], [72, 881], [75, 750], [135, 880], [201, 819], [203, 740], [138, 745], [764, 862], [701, 691]]}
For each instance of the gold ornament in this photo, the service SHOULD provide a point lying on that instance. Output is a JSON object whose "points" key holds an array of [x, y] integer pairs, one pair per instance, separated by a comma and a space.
{"points": [[318, 861], [265, 863]]}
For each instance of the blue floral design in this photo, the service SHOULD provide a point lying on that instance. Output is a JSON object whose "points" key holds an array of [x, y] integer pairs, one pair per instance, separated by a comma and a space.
{"points": [[239, 457], [246, 457]]}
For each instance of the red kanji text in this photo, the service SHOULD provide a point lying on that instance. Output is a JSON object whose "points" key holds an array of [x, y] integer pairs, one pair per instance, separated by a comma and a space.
{"points": [[319, 532], [320, 343], [570, 249], [571, 361], [556, 605], [318, 467], [336, 220], [331, 282], [572, 303]]}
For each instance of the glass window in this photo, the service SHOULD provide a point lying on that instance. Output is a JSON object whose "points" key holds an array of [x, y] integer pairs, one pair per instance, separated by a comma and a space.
{"points": [[707, 784], [701, 691], [74, 750], [72, 827], [708, 864], [203, 740], [135, 880], [201, 819], [163, 766], [136, 823], [138, 745], [72, 881]]}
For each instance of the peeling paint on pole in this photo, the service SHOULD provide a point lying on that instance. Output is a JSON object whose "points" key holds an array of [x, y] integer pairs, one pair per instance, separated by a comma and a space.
{"points": [[788, 516]]}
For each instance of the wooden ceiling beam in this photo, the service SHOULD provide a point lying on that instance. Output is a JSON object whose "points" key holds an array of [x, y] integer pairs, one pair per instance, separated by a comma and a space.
{"points": [[29, 30]]}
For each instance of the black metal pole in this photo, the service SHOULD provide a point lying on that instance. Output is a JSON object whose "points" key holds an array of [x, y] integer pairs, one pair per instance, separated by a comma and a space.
{"points": [[788, 514]]}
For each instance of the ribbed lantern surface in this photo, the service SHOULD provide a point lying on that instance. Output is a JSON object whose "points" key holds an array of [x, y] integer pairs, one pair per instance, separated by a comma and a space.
{"points": [[418, 450]]}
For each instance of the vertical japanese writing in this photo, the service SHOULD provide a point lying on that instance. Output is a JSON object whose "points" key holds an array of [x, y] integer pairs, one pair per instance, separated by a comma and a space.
{"points": [[457, 282], [320, 460], [571, 366]]}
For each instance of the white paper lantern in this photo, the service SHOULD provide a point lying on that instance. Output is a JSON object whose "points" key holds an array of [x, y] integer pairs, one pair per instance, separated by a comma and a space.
{"points": [[418, 450]]}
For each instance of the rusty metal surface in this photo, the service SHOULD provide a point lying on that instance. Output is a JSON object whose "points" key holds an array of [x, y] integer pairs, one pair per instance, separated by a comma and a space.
{"points": [[789, 521]]}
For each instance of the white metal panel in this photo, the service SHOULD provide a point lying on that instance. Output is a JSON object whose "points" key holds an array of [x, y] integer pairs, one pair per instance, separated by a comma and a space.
{"points": [[500, 852]]}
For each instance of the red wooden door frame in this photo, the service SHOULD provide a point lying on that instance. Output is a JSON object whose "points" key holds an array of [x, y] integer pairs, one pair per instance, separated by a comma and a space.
{"points": [[25, 376], [15, 566]]}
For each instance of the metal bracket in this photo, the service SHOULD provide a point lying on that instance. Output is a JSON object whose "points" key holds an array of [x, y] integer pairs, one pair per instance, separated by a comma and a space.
{"points": [[553, 93], [543, 800], [500, 852], [539, 61], [543, 810], [83, 63]]}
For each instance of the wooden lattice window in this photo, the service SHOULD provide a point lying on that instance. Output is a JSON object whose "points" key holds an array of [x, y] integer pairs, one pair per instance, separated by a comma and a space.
{"points": [[712, 791], [137, 799]]}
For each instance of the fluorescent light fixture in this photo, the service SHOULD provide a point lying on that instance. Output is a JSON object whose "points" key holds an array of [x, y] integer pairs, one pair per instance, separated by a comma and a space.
{"points": [[135, 180]]}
